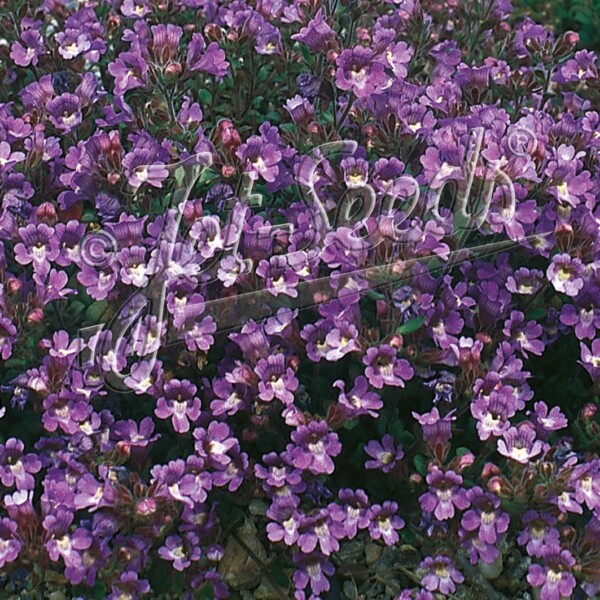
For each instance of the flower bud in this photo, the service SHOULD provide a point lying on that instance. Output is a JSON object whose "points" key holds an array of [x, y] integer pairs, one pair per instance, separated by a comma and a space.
{"points": [[228, 135], [396, 341], [46, 213], [13, 285], [35, 316], [228, 171], [588, 412], [213, 32], [173, 70]]}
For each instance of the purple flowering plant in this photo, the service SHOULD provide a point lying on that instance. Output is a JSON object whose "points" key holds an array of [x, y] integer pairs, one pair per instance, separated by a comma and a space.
{"points": [[297, 298]]}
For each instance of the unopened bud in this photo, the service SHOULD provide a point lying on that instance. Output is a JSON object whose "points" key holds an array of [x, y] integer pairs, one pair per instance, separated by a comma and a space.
{"points": [[589, 411], [35, 316], [213, 32], [46, 213]]}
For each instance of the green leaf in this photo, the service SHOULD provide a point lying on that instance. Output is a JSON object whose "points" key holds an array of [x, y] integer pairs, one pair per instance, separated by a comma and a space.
{"points": [[411, 326], [421, 463], [206, 592], [204, 96], [537, 313]]}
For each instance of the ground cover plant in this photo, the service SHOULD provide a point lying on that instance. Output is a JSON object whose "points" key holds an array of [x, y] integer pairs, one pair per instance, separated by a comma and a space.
{"points": [[298, 299]]}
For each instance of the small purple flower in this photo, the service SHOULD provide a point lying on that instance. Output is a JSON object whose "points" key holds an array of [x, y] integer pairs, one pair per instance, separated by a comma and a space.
{"points": [[590, 359], [360, 71], [317, 35], [65, 112], [485, 517], [386, 454], [179, 403], [260, 158], [440, 574], [565, 274], [277, 380], [358, 401], [312, 569], [320, 529], [555, 577], [181, 551], [538, 532], [314, 447], [384, 523], [445, 493], [520, 443], [354, 513], [384, 368], [286, 520], [17, 468]]}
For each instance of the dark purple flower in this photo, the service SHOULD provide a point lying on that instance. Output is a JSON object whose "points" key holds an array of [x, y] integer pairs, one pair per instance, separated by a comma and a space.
{"points": [[384, 368], [386, 454]]}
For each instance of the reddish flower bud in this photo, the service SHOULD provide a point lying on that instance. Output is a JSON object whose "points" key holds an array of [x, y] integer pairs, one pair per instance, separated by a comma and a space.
{"points": [[489, 470], [572, 37], [396, 341], [228, 135], [35, 316], [228, 170], [589, 411], [213, 32], [173, 70], [416, 479], [13, 285], [46, 213]]}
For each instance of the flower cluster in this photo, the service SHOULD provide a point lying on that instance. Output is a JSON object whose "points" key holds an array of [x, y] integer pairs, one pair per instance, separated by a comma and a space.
{"points": [[297, 278]]}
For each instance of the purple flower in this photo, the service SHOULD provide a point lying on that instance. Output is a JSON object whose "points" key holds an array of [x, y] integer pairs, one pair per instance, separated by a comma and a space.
{"points": [[520, 443], [314, 446], [38, 246], [485, 516], [440, 574], [312, 569], [319, 528], [358, 401], [590, 359], [360, 71], [276, 379], [259, 158], [565, 274], [384, 368], [445, 493], [354, 513], [384, 523], [182, 551], [286, 520], [210, 60], [65, 112], [538, 532], [555, 577], [179, 403], [386, 454], [317, 34], [17, 468]]}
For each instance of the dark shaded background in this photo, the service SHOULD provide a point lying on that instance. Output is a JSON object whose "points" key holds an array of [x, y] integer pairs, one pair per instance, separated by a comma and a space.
{"points": [[582, 16]]}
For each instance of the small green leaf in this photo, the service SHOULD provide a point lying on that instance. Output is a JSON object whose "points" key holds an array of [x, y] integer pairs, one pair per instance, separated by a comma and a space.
{"points": [[411, 326], [537, 313], [421, 464]]}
